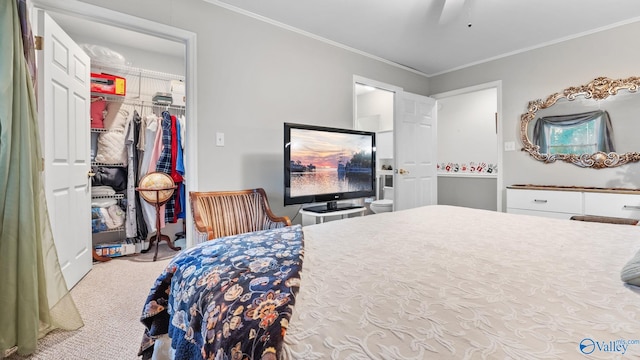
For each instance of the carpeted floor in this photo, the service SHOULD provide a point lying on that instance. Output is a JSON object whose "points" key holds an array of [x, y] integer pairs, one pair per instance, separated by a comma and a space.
{"points": [[110, 299]]}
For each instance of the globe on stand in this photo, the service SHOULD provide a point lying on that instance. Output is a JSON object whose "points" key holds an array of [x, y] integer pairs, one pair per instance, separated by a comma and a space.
{"points": [[156, 188]]}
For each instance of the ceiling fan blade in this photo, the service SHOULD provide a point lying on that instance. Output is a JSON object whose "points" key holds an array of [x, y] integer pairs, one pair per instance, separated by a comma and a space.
{"points": [[451, 10]]}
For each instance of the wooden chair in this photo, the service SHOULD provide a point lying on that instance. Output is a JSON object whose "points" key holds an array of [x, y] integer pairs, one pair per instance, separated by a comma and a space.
{"points": [[223, 213]]}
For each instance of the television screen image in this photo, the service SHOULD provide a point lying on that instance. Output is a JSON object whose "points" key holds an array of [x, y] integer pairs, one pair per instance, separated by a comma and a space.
{"points": [[328, 164]]}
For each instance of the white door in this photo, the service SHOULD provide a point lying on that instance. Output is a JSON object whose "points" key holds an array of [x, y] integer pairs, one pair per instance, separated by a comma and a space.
{"points": [[63, 114], [415, 179]]}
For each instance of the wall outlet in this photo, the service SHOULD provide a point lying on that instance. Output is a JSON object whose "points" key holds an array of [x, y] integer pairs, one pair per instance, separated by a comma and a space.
{"points": [[219, 139]]}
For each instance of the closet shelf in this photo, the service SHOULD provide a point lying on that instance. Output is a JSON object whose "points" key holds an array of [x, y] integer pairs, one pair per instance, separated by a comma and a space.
{"points": [[118, 229], [133, 71], [115, 196], [140, 103], [135, 101], [105, 164], [104, 130], [108, 97], [141, 84], [150, 104]]}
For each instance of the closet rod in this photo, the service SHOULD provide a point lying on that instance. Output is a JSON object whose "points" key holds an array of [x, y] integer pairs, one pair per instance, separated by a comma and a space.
{"points": [[152, 105], [135, 102], [128, 70]]}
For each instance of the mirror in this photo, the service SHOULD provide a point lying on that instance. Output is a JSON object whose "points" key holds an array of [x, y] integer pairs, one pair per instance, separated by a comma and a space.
{"points": [[593, 125]]}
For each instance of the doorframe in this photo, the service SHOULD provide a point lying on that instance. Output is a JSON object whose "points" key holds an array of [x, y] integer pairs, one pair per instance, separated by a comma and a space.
{"points": [[160, 30], [376, 84], [490, 85], [396, 90]]}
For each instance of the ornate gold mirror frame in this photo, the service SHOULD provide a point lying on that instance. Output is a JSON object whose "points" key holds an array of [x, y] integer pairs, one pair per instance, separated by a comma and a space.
{"points": [[598, 89]]}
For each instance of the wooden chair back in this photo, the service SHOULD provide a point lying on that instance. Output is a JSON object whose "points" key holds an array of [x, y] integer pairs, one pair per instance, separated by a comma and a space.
{"points": [[223, 213]]}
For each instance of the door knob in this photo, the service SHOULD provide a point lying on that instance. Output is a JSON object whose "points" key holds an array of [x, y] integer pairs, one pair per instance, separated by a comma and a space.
{"points": [[403, 171], [90, 176]]}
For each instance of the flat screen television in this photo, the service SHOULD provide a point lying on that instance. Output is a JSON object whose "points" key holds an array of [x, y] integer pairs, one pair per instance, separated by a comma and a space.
{"points": [[324, 164]]}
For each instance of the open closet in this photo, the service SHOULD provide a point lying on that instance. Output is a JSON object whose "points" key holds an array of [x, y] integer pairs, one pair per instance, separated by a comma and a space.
{"points": [[148, 65], [130, 128], [137, 127]]}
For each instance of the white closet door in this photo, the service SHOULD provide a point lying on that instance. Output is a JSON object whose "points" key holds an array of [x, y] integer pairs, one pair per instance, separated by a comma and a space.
{"points": [[64, 104]]}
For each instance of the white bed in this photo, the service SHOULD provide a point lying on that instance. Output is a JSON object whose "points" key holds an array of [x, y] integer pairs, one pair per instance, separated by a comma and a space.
{"points": [[443, 282]]}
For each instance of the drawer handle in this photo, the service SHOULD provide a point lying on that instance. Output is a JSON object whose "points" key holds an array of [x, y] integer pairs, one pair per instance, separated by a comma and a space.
{"points": [[631, 207], [540, 201]]}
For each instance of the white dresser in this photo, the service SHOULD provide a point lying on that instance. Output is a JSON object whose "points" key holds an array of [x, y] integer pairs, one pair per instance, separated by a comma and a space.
{"points": [[562, 202]]}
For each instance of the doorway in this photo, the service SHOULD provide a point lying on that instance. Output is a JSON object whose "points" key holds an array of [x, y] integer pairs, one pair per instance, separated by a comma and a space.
{"points": [[374, 110], [81, 17], [406, 139], [160, 32], [469, 156]]}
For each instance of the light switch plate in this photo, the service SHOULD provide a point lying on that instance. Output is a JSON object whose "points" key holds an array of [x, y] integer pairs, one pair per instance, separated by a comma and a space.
{"points": [[219, 139], [509, 146]]}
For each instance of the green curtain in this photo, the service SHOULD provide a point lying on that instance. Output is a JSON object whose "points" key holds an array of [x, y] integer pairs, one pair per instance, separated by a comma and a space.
{"points": [[33, 296]]}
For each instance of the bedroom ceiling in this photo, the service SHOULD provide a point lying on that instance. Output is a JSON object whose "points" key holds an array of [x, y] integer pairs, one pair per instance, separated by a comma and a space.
{"points": [[434, 36], [431, 36]]}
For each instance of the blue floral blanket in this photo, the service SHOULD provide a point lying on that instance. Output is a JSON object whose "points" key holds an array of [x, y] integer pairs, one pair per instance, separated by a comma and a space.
{"points": [[229, 298]]}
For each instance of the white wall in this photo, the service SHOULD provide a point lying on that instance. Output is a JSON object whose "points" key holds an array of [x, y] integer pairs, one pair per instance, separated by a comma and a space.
{"points": [[467, 139], [253, 77], [541, 72], [467, 129], [378, 105]]}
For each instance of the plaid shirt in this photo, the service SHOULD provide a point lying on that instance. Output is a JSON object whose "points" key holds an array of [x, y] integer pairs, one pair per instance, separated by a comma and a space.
{"points": [[164, 163]]}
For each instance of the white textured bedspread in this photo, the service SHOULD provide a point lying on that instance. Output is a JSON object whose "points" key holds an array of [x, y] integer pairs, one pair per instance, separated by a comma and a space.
{"points": [[443, 282]]}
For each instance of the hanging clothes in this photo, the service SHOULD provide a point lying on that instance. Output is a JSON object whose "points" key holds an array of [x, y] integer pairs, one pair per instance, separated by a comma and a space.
{"points": [[135, 226], [175, 175], [181, 203], [183, 130], [34, 299], [149, 131], [153, 165], [152, 132], [131, 226], [164, 163], [175, 145], [141, 225]]}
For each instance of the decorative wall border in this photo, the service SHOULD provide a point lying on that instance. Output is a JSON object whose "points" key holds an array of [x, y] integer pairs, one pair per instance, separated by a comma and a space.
{"points": [[479, 168]]}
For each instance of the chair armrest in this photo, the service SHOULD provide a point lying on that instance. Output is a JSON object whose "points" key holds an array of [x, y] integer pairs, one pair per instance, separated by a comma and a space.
{"points": [[201, 236], [281, 220], [199, 227], [284, 220]]}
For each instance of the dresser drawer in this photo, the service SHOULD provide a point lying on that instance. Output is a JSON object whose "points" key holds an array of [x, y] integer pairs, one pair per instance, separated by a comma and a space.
{"points": [[615, 205], [543, 200]]}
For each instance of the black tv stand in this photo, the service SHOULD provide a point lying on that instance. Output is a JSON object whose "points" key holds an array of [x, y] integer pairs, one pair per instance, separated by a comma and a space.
{"points": [[332, 206]]}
